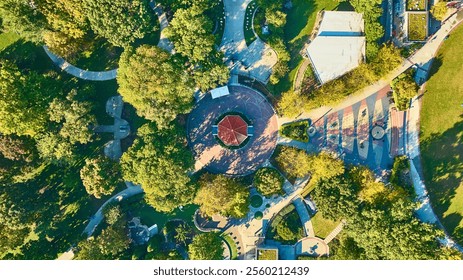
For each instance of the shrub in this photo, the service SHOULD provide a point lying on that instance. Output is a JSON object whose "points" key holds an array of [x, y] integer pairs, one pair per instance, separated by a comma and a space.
{"points": [[296, 131]]}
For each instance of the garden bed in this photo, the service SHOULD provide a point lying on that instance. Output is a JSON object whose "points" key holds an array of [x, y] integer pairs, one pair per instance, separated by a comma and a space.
{"points": [[416, 5], [231, 244], [417, 26], [296, 131], [249, 34], [267, 254]]}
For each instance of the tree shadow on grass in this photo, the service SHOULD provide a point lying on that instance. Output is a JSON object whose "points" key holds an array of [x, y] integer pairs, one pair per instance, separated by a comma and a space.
{"points": [[442, 156]]}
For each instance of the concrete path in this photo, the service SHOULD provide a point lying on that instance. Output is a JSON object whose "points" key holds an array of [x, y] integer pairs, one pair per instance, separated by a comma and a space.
{"points": [[164, 43], [96, 219], [335, 232], [80, 73], [255, 60], [304, 216]]}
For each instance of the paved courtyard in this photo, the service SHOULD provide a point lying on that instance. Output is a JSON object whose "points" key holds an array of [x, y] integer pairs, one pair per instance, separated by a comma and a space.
{"points": [[217, 159], [348, 132]]}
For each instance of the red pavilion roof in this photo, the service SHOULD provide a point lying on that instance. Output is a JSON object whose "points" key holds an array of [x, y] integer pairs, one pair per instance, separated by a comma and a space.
{"points": [[232, 130]]}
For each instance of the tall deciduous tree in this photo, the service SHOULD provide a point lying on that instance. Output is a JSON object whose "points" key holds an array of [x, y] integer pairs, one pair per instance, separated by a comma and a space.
{"points": [[120, 21], [206, 246], [439, 10], [155, 83], [23, 100], [295, 163], [191, 33], [100, 176], [159, 161], [14, 229], [219, 194], [268, 181], [24, 18]]}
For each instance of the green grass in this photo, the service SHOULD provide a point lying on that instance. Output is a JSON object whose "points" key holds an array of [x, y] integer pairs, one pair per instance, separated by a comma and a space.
{"points": [[296, 131], [300, 22], [442, 135], [249, 35], [417, 26], [232, 245], [217, 15], [7, 39], [322, 226], [149, 216], [416, 5], [269, 255]]}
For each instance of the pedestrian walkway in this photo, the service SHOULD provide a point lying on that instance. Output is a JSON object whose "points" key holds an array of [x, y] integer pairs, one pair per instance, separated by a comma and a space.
{"points": [[304, 216], [335, 232]]}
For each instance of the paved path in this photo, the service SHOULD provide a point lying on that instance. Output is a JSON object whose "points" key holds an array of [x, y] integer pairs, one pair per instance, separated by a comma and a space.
{"points": [[300, 74], [335, 232], [96, 219], [75, 71], [80, 73], [255, 60], [304, 216]]}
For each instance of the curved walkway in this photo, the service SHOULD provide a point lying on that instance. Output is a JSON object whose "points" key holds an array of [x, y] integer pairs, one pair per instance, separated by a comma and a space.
{"points": [[75, 71], [96, 219], [80, 73]]}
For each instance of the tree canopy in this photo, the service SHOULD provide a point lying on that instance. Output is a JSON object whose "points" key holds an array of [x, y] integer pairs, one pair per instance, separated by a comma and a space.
{"points": [[439, 10], [268, 181], [222, 195], [206, 246], [155, 83], [159, 161], [191, 33], [120, 21], [100, 176]]}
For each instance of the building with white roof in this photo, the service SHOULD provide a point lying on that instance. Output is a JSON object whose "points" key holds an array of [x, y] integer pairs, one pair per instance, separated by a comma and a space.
{"points": [[339, 45]]}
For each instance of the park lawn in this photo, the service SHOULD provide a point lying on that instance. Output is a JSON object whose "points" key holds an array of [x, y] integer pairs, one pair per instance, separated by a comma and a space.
{"points": [[416, 5], [300, 22], [7, 39], [322, 226], [417, 26], [267, 254], [442, 135]]}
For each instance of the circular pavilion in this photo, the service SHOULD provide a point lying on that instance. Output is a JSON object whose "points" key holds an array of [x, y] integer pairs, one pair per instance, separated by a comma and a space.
{"points": [[233, 133]]}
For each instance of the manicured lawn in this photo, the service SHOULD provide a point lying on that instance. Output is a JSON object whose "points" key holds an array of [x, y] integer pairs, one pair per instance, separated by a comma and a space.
{"points": [[7, 39], [249, 35], [322, 226], [296, 131], [416, 5], [232, 244], [269, 255], [442, 135], [217, 14], [300, 22], [417, 26]]}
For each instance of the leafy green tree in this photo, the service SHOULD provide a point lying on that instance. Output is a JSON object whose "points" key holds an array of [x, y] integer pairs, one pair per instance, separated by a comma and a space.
{"points": [[107, 246], [74, 117], [100, 176], [293, 162], [387, 60], [159, 161], [191, 33], [112, 214], [325, 166], [14, 228], [18, 158], [222, 195], [439, 10], [211, 78], [155, 83], [336, 198], [22, 17], [120, 21], [23, 100], [183, 234], [54, 148], [199, 5], [206, 246], [268, 181], [404, 88], [370, 190], [292, 103]]}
